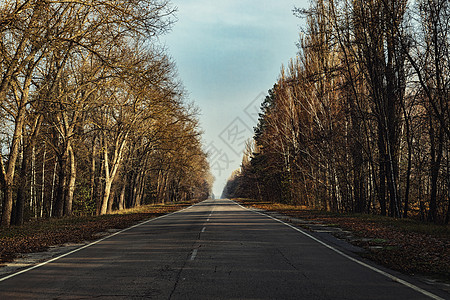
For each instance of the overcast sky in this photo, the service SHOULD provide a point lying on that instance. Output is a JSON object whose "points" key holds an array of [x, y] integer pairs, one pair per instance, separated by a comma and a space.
{"points": [[228, 54]]}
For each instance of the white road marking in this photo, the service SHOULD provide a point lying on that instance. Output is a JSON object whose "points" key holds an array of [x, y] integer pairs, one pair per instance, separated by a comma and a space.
{"points": [[194, 254], [89, 245], [211, 212], [390, 276]]}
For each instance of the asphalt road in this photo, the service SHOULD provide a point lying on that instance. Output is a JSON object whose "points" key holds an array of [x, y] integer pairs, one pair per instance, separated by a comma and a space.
{"points": [[213, 250]]}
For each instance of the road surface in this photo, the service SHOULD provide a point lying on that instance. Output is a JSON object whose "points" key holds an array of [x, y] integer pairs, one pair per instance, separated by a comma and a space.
{"points": [[213, 250]]}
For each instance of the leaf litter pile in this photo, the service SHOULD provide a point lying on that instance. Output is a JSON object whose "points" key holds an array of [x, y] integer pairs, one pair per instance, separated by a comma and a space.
{"points": [[39, 235], [405, 245]]}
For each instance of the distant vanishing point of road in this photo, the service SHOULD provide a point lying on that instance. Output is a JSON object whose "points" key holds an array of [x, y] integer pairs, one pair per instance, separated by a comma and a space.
{"points": [[213, 250]]}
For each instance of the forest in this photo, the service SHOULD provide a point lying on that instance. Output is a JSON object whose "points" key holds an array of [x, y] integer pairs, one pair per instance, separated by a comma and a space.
{"points": [[359, 121], [92, 115]]}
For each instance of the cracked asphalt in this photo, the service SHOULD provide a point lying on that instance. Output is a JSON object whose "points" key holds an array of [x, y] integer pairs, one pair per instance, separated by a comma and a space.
{"points": [[213, 250]]}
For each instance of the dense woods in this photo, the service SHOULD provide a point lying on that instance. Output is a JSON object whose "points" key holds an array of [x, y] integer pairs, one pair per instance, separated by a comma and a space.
{"points": [[92, 116], [359, 121]]}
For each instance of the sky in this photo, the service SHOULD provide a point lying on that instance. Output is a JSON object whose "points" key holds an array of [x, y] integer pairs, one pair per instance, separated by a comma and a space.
{"points": [[228, 55]]}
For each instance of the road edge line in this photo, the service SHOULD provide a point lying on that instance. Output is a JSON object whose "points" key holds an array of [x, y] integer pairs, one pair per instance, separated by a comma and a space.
{"points": [[390, 276], [90, 244]]}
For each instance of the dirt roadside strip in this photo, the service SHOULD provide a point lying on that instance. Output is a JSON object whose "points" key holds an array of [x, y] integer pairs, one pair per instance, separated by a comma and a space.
{"points": [[417, 249]]}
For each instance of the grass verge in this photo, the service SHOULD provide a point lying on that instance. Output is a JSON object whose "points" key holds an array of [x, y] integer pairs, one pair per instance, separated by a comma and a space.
{"points": [[38, 235], [405, 245]]}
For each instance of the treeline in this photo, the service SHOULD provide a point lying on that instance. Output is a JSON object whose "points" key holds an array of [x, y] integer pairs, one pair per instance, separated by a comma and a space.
{"points": [[359, 122], [92, 117]]}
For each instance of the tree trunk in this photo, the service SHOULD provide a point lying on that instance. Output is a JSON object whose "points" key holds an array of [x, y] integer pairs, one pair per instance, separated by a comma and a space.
{"points": [[140, 193], [111, 174], [7, 205], [447, 216], [92, 179], [43, 182], [382, 173], [22, 188], [8, 174], [108, 181], [357, 157], [135, 188], [111, 202], [71, 185], [99, 186], [106, 195], [436, 157], [58, 207], [28, 153], [159, 186], [33, 198], [409, 167], [122, 195], [52, 198]]}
